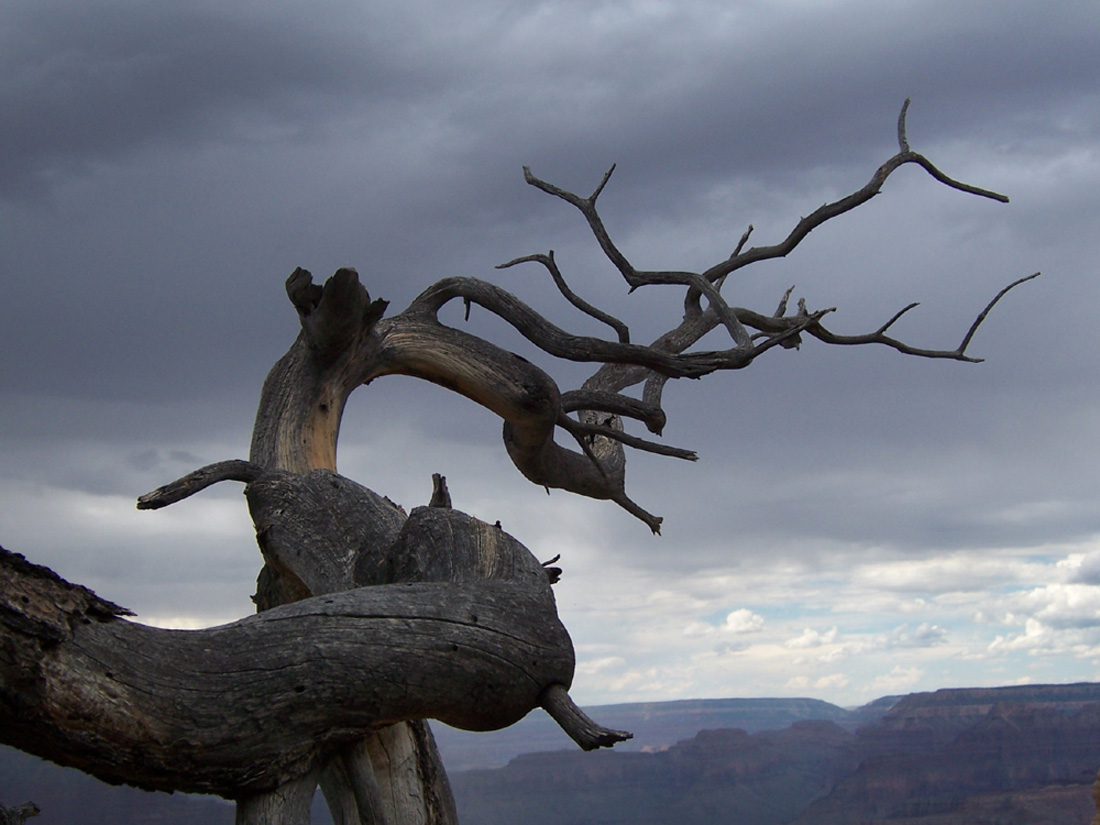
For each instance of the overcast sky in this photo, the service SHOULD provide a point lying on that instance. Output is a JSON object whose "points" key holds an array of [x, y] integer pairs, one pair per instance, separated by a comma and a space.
{"points": [[860, 523]]}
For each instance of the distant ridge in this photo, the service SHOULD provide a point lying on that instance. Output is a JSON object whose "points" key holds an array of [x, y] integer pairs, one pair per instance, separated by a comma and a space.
{"points": [[68, 796], [1016, 755], [1019, 755], [1078, 693], [655, 725], [932, 720]]}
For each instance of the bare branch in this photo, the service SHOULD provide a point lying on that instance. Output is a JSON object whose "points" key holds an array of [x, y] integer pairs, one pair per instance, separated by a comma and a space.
{"points": [[897, 315], [633, 277], [931, 169], [982, 315], [903, 141], [741, 243], [698, 283], [612, 402], [606, 177], [879, 336], [548, 261], [653, 389], [651, 521], [200, 479], [781, 310], [530, 403], [832, 210], [555, 341], [587, 207], [580, 430]]}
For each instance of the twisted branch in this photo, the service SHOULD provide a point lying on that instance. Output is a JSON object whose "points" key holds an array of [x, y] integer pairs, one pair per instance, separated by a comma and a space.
{"points": [[668, 355], [531, 404]]}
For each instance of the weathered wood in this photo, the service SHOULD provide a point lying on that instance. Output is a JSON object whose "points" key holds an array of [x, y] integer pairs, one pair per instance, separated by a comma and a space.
{"points": [[271, 698], [556, 701], [324, 531], [200, 479], [289, 804], [413, 788], [296, 430], [302, 402], [353, 794]]}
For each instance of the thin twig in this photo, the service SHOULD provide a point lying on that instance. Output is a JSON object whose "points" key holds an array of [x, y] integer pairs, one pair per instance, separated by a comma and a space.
{"points": [[548, 261], [578, 429], [981, 316]]}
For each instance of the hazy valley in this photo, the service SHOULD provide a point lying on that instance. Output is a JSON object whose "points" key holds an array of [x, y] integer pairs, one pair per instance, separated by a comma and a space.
{"points": [[979, 756]]}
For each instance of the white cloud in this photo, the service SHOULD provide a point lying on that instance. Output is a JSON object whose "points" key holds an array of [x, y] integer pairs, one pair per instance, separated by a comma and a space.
{"points": [[591, 667], [1035, 636], [1086, 568], [833, 681], [699, 629], [924, 635], [898, 679], [743, 621], [810, 638], [943, 574]]}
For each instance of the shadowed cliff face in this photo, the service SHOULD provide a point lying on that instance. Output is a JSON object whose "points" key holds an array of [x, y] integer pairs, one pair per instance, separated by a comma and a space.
{"points": [[656, 726], [762, 778], [930, 721], [1002, 756], [1011, 749], [996, 756]]}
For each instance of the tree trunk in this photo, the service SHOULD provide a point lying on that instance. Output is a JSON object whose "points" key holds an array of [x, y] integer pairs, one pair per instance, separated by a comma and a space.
{"points": [[297, 427], [369, 621]]}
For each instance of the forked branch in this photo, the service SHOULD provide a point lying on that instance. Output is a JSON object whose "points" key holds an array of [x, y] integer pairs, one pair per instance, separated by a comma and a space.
{"points": [[879, 336], [530, 402], [672, 349]]}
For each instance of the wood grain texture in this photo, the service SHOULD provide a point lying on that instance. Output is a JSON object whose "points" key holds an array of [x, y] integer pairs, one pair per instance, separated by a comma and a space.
{"points": [[250, 705]]}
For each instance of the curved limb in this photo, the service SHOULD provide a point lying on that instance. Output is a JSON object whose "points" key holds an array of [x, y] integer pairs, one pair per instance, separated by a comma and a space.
{"points": [[198, 480], [557, 702], [247, 707]]}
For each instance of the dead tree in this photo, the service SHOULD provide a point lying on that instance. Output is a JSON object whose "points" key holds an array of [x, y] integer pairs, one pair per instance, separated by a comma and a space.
{"points": [[372, 620]]}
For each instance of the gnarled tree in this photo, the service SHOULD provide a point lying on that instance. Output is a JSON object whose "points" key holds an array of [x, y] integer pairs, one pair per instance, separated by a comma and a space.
{"points": [[372, 620]]}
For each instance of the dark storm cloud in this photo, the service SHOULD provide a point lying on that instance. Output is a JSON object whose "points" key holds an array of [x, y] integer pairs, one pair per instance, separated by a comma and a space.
{"points": [[706, 89], [443, 107], [685, 91], [93, 82], [166, 165]]}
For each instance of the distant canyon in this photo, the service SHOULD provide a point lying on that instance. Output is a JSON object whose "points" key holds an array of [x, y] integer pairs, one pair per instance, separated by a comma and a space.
{"points": [[1020, 755]]}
